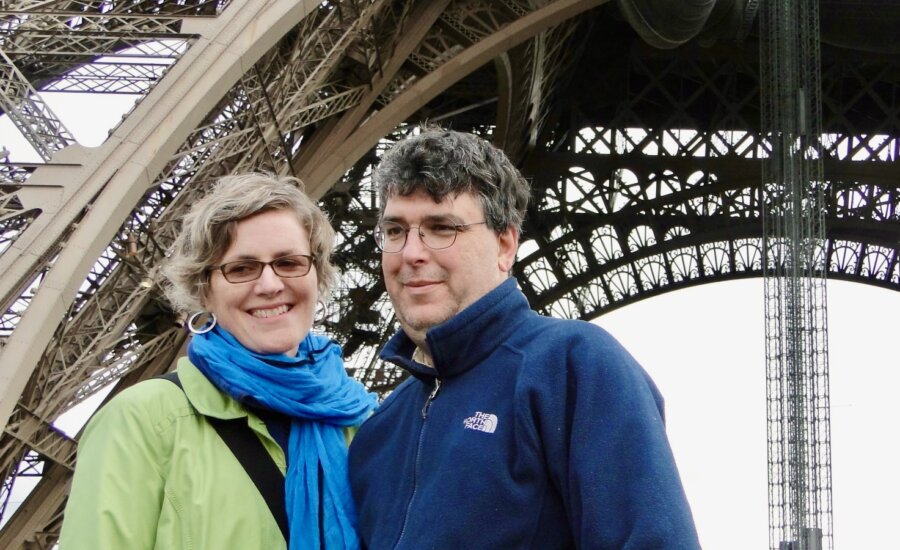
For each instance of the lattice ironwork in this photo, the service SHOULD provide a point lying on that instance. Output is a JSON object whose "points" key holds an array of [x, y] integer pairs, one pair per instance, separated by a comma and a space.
{"points": [[664, 194], [645, 173], [797, 389], [28, 111], [29, 467]]}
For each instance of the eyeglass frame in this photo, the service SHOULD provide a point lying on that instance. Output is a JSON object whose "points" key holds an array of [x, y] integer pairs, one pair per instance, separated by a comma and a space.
{"points": [[271, 264], [459, 227]]}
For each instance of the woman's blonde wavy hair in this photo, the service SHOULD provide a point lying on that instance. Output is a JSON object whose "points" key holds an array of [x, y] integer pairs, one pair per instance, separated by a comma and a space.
{"points": [[208, 231]]}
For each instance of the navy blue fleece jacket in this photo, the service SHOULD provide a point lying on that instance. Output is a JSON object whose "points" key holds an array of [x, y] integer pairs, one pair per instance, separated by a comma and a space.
{"points": [[530, 432]]}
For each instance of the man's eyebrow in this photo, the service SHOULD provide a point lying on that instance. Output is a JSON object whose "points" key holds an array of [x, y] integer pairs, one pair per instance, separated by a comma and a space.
{"points": [[448, 217], [452, 218]]}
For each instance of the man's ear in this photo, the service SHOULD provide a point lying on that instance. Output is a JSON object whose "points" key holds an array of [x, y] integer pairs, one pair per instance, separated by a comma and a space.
{"points": [[508, 240]]}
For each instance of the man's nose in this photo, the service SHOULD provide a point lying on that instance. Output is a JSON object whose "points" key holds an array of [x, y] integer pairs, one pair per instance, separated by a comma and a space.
{"points": [[415, 246]]}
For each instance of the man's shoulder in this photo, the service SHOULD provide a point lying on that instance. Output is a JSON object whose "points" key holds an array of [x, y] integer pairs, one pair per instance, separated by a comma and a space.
{"points": [[552, 348], [540, 330]]}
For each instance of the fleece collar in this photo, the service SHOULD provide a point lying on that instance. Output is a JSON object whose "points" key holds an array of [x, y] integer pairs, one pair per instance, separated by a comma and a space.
{"points": [[466, 339]]}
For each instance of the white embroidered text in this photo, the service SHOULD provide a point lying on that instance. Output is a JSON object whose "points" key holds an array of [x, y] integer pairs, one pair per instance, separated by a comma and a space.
{"points": [[482, 422]]}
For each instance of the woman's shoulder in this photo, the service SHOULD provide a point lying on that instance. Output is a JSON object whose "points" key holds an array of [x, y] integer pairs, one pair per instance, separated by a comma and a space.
{"points": [[152, 392], [155, 402]]}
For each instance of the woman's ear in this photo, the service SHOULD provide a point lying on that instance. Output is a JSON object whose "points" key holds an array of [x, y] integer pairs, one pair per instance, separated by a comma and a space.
{"points": [[204, 297]]}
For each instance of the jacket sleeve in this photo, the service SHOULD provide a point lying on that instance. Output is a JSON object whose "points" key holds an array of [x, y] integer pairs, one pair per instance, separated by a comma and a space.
{"points": [[618, 478], [118, 485]]}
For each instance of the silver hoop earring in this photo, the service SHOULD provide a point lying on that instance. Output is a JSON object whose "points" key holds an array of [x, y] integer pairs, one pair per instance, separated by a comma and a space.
{"points": [[210, 322]]}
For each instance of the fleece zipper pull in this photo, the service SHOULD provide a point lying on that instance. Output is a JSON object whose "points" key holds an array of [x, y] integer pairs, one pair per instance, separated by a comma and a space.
{"points": [[434, 392]]}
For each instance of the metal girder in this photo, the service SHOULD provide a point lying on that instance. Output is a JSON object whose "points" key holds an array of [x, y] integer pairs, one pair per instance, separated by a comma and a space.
{"points": [[410, 29], [331, 165], [795, 225], [630, 191], [305, 89], [179, 8], [12, 175], [45, 45], [14, 218], [46, 39], [113, 78], [547, 63], [40, 437], [28, 111], [38, 520]]}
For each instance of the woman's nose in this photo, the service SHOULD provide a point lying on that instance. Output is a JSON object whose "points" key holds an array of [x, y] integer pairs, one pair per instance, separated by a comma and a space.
{"points": [[268, 281]]}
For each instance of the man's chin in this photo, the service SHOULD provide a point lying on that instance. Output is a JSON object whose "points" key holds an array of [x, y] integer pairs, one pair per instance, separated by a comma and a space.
{"points": [[419, 325]]}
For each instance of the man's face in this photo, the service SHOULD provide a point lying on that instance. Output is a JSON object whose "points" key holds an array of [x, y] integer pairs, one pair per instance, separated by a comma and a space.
{"points": [[428, 287]]}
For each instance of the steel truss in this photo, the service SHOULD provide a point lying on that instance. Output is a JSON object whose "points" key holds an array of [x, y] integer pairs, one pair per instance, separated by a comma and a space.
{"points": [[797, 389], [620, 213]]}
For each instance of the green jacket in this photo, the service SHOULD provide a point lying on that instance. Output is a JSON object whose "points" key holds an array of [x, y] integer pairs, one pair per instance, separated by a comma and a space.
{"points": [[152, 473]]}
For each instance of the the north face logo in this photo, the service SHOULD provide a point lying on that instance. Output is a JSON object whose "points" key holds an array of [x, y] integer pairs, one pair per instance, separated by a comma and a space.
{"points": [[482, 422]]}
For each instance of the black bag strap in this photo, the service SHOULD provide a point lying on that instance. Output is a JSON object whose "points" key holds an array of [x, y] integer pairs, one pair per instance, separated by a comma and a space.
{"points": [[258, 463]]}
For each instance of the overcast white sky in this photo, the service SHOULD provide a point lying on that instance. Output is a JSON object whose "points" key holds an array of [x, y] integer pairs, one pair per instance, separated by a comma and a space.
{"points": [[704, 348]]}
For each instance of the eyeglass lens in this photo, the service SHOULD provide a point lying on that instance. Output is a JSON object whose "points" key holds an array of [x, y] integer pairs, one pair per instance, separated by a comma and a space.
{"points": [[392, 236]]}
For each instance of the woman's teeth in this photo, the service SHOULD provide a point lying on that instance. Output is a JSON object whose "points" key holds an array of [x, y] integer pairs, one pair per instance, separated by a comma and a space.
{"points": [[263, 313]]}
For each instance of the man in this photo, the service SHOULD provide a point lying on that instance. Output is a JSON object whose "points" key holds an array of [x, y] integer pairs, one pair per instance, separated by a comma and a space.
{"points": [[515, 430]]}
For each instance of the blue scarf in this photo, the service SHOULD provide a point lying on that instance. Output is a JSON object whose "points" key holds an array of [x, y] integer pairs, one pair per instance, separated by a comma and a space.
{"points": [[315, 391]]}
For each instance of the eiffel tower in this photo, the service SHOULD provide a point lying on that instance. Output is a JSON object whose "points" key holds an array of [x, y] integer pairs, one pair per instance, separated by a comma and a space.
{"points": [[638, 122]]}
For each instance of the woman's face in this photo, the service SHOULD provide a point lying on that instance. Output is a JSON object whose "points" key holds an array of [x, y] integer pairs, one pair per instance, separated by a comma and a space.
{"points": [[271, 314]]}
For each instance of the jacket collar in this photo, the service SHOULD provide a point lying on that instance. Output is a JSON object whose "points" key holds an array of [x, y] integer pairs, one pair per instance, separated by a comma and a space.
{"points": [[204, 396], [467, 338]]}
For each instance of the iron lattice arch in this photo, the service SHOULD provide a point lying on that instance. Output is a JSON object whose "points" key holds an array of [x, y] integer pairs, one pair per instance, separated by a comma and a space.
{"points": [[646, 174], [612, 235], [663, 192]]}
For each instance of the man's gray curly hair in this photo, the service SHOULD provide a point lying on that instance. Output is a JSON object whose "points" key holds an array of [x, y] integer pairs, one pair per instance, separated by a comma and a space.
{"points": [[445, 162]]}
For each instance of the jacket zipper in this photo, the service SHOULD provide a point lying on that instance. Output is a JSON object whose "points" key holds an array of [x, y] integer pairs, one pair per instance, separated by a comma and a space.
{"points": [[434, 392]]}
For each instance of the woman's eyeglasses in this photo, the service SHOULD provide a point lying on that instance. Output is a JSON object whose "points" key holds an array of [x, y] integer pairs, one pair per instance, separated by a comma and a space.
{"points": [[244, 271]]}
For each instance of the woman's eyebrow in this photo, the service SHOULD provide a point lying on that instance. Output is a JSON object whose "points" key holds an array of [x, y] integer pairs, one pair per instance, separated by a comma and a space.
{"points": [[279, 254]]}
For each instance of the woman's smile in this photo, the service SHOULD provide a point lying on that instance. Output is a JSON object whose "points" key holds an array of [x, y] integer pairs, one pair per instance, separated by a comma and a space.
{"points": [[270, 312]]}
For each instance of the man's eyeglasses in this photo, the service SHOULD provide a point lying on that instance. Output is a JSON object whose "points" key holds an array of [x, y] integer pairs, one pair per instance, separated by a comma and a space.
{"points": [[244, 271], [436, 235]]}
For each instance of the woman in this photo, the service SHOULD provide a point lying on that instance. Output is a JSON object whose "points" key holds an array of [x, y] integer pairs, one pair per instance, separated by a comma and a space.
{"points": [[153, 470]]}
